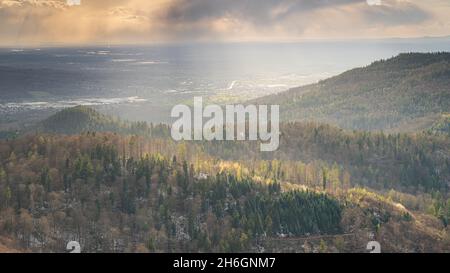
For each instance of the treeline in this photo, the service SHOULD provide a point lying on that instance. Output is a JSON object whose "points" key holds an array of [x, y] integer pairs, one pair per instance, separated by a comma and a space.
{"points": [[407, 162]]}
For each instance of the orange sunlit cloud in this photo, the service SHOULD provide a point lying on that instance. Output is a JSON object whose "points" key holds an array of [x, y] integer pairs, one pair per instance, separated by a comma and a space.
{"points": [[30, 22]]}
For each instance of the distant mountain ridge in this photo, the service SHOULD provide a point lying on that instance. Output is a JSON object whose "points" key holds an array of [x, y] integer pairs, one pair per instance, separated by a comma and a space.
{"points": [[405, 93], [80, 119]]}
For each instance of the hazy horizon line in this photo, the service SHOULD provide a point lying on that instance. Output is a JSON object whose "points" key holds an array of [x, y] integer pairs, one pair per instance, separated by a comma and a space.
{"points": [[218, 42]]}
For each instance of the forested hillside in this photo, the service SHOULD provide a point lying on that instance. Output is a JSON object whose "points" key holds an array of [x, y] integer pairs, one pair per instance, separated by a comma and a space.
{"points": [[85, 188], [84, 119], [407, 162], [404, 93], [135, 189], [126, 193]]}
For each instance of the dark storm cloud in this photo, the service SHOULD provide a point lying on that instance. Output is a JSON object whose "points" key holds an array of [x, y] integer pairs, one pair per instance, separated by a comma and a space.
{"points": [[258, 11], [289, 16]]}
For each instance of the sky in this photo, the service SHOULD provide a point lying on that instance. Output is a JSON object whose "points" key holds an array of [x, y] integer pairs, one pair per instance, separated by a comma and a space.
{"points": [[42, 22]]}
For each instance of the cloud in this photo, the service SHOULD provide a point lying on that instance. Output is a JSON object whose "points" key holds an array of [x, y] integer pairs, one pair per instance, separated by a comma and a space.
{"points": [[290, 17], [262, 12], [30, 4], [130, 21], [73, 2], [395, 13], [374, 2], [256, 11]]}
